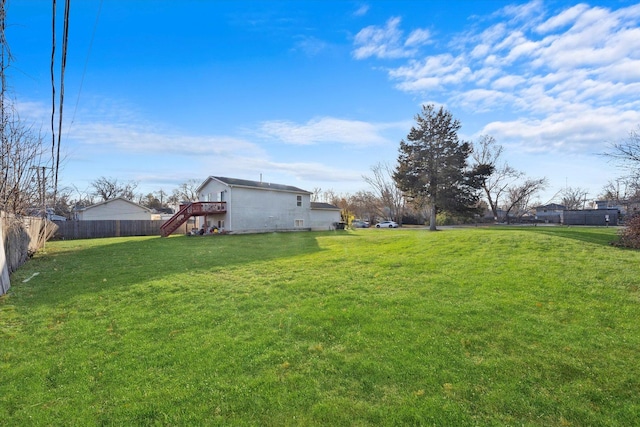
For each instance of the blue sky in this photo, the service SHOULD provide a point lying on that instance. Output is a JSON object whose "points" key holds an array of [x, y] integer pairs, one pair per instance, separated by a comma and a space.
{"points": [[315, 93]]}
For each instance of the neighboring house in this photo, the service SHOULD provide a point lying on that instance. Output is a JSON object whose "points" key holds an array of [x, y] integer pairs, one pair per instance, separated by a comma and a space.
{"points": [[51, 215], [626, 207], [114, 209], [243, 206], [550, 213], [324, 216], [591, 217]]}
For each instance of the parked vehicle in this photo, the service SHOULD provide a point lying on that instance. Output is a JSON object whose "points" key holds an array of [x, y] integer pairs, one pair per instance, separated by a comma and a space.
{"points": [[387, 224], [360, 224]]}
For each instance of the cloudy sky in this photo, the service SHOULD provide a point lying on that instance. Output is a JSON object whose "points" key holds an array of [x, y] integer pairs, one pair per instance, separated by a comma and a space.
{"points": [[315, 93]]}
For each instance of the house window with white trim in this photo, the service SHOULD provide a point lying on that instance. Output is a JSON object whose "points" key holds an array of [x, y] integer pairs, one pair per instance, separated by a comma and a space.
{"points": [[299, 200], [298, 223]]}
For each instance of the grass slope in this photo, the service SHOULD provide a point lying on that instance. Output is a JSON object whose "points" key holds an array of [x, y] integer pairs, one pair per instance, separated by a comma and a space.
{"points": [[513, 326]]}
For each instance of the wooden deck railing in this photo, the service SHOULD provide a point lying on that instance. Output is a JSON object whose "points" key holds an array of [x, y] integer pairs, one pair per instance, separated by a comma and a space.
{"points": [[189, 210]]}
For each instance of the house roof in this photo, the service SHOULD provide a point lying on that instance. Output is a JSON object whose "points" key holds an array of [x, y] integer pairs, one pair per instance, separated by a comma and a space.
{"points": [[552, 206], [235, 182], [112, 200], [320, 205]]}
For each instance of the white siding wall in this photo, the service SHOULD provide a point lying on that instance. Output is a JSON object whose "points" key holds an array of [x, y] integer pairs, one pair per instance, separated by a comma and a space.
{"points": [[265, 210], [251, 210], [114, 209], [324, 219]]}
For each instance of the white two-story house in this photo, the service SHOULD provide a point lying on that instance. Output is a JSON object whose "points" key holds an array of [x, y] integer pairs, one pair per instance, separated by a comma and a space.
{"points": [[242, 206]]}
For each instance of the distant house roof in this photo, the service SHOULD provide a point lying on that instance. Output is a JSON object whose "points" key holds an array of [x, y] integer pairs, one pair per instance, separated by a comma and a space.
{"points": [[111, 200], [551, 207], [320, 205], [235, 182]]}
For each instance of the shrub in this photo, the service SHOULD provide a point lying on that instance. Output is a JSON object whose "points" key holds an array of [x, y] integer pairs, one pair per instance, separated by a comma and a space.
{"points": [[630, 235]]}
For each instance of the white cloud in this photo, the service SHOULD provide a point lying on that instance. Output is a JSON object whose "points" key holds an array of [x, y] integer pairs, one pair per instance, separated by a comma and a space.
{"points": [[571, 77], [579, 130], [563, 19], [433, 72], [524, 14], [418, 37], [137, 139], [626, 70], [387, 42], [311, 46], [482, 100], [314, 172], [508, 82], [362, 10], [326, 130]]}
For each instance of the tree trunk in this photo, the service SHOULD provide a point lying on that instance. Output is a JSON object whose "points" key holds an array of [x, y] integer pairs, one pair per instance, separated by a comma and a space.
{"points": [[432, 219]]}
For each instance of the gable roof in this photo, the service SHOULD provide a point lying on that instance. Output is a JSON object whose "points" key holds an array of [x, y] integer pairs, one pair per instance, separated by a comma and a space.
{"points": [[235, 182], [112, 200], [551, 207], [320, 205]]}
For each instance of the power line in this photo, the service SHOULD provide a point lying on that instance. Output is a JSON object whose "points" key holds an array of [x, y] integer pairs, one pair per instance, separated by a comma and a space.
{"points": [[86, 62], [65, 40], [55, 145], [53, 80]]}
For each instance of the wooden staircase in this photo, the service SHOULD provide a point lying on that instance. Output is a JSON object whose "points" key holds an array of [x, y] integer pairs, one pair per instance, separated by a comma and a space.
{"points": [[187, 211]]}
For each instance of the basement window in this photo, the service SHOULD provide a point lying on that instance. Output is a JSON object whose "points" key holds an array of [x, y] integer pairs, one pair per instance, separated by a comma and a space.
{"points": [[298, 223]]}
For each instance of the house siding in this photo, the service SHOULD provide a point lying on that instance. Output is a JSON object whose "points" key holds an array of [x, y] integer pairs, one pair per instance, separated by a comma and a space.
{"points": [[256, 210], [324, 219], [116, 209], [252, 210], [590, 217]]}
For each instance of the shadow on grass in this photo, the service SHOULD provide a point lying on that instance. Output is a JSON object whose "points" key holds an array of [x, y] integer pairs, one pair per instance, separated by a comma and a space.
{"points": [[74, 268], [598, 235]]}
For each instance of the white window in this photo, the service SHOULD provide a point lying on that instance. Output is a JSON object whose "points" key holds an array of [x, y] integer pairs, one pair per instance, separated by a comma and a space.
{"points": [[299, 200], [299, 223]]}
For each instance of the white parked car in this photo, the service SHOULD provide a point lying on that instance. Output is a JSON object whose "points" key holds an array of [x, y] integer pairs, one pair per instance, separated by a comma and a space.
{"points": [[387, 224]]}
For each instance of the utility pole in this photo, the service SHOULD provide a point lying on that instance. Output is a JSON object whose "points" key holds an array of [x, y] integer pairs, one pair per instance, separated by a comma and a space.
{"points": [[42, 187], [4, 56]]}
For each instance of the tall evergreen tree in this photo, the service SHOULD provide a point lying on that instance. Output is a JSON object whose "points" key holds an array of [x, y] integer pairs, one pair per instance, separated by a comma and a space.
{"points": [[432, 165]]}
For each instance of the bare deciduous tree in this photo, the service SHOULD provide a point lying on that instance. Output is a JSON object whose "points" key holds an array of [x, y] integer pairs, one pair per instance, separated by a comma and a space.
{"points": [[487, 152], [111, 188], [186, 192], [82, 198], [316, 194], [627, 154], [391, 201], [627, 151], [573, 198], [22, 180], [622, 189], [519, 196], [345, 203], [365, 205]]}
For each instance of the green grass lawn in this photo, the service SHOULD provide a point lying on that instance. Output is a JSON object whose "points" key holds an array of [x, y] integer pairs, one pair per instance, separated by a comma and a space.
{"points": [[534, 326]]}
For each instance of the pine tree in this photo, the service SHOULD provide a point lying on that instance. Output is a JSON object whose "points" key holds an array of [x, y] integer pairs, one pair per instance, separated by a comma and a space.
{"points": [[432, 166]]}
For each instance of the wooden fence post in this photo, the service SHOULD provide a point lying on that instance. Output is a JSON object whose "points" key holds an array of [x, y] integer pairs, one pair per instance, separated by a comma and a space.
{"points": [[4, 269]]}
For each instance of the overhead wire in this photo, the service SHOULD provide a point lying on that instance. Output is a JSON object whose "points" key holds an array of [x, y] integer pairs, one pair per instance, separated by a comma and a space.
{"points": [[53, 80], [65, 40], [86, 62]]}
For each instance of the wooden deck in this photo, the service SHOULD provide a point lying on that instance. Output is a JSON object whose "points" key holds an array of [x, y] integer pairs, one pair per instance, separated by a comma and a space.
{"points": [[189, 210]]}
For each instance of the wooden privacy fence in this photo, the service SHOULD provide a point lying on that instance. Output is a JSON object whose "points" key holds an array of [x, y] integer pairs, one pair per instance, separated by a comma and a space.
{"points": [[20, 237], [70, 230]]}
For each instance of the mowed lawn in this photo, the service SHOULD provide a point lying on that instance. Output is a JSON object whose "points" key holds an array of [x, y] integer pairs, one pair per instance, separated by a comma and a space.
{"points": [[536, 326]]}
